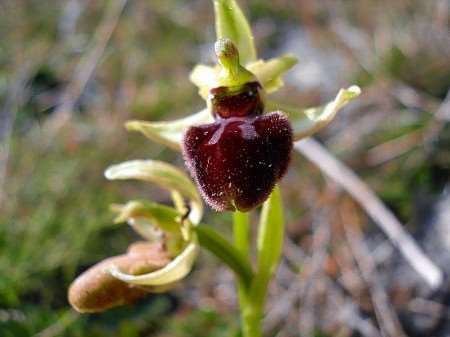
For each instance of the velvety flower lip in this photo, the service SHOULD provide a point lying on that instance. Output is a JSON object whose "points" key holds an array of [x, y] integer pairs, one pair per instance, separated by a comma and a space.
{"points": [[236, 162], [238, 158]]}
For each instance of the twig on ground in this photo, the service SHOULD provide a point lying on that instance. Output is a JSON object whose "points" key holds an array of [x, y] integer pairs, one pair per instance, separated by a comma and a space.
{"points": [[394, 148], [386, 316], [321, 237], [380, 214], [282, 306], [350, 313]]}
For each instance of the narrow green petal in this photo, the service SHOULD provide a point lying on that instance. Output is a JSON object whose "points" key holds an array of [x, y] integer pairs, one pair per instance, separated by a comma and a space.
{"points": [[232, 24], [205, 78], [169, 133], [164, 175], [146, 229], [176, 270], [306, 122], [161, 216], [270, 72]]}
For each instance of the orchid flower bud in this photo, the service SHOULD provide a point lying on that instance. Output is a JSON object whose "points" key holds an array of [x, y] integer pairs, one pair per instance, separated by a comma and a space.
{"points": [[97, 290]]}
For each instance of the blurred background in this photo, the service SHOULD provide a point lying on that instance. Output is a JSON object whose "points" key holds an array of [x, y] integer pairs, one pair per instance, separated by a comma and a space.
{"points": [[71, 73]]}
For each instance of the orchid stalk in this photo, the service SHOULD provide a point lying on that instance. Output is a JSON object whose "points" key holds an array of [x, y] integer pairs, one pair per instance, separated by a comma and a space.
{"points": [[236, 149]]}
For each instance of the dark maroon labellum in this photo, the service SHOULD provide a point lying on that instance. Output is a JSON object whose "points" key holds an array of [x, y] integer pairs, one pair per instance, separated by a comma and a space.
{"points": [[237, 159]]}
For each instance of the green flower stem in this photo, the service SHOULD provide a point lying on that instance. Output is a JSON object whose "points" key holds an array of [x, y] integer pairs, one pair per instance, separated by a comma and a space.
{"points": [[241, 230], [270, 240], [226, 252], [252, 286], [250, 315], [251, 321]]}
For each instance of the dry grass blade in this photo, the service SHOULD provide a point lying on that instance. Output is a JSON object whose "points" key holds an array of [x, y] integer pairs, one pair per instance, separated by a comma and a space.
{"points": [[350, 313], [380, 214], [386, 316], [87, 65], [308, 293], [443, 113], [15, 97], [395, 148]]}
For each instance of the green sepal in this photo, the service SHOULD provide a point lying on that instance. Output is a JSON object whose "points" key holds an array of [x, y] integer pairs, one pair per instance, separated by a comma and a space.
{"points": [[164, 175], [231, 23], [205, 78], [169, 133], [306, 122], [269, 73], [177, 269], [163, 217]]}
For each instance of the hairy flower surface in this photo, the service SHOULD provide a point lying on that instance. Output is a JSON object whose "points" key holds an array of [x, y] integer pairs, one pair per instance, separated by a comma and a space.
{"points": [[237, 161]]}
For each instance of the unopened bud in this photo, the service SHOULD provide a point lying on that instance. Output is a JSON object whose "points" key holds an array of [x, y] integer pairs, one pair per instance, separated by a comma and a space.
{"points": [[97, 290]]}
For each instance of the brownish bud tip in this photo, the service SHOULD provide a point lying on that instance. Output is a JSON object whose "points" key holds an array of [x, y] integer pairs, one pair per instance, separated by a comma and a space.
{"points": [[97, 290]]}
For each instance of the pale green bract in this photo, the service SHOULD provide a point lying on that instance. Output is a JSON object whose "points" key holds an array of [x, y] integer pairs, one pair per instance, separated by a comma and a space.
{"points": [[269, 244], [271, 231], [151, 219], [163, 174], [169, 133], [146, 228], [205, 78], [270, 72], [306, 122], [163, 217], [177, 269]]}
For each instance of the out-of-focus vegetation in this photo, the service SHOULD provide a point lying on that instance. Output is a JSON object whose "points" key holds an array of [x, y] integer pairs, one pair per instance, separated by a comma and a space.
{"points": [[54, 217]]}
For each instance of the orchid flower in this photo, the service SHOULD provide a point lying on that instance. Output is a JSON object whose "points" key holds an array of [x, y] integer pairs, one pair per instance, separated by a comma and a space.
{"points": [[236, 149]]}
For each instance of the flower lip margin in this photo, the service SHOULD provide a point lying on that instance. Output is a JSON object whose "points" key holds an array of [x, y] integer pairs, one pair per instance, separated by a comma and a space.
{"points": [[236, 162]]}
